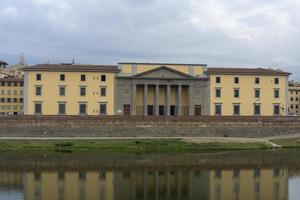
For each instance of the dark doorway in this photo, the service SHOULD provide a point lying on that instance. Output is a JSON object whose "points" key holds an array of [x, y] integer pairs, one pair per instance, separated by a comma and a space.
{"points": [[150, 110], [172, 110], [197, 110], [161, 110], [126, 109]]}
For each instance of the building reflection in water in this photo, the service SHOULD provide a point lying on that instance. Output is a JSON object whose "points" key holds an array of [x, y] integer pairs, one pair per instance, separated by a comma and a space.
{"points": [[244, 184]]}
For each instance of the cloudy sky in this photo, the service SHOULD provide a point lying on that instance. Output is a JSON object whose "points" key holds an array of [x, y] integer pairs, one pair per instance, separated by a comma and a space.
{"points": [[215, 32]]}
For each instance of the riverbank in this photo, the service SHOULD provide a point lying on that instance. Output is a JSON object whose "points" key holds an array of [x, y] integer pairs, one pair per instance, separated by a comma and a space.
{"points": [[129, 145]]}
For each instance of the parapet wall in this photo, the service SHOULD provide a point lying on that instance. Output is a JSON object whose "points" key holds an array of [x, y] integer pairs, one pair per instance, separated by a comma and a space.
{"points": [[146, 126]]}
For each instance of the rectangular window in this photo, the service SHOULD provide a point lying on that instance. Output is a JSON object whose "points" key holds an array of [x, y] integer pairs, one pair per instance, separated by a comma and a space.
{"points": [[8, 92], [21, 100], [61, 108], [9, 84], [103, 91], [256, 109], [218, 79], [236, 109], [38, 108], [62, 77], [257, 93], [62, 90], [276, 81], [276, 93], [2, 100], [2, 92], [276, 109], [218, 109], [21, 84], [8, 100], [103, 109], [236, 93], [38, 90], [103, 78], [236, 80], [292, 99], [82, 108], [2, 83], [82, 91], [257, 80], [218, 92], [15, 84], [38, 77], [15, 100], [82, 77], [15, 92]]}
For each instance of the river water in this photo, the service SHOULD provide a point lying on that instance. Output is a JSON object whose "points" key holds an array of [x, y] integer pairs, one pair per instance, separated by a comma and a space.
{"points": [[244, 175]]}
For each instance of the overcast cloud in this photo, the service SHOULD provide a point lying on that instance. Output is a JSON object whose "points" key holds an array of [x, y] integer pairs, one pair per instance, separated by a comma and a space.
{"points": [[223, 33]]}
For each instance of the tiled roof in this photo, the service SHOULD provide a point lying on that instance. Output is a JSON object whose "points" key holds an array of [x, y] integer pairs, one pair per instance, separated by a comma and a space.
{"points": [[145, 63], [73, 67], [250, 71]]}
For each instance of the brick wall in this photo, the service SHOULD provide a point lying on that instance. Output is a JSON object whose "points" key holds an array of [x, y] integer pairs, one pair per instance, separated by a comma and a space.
{"points": [[147, 126]]}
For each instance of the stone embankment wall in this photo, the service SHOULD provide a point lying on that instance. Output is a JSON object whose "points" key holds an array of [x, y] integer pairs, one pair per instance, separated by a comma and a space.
{"points": [[119, 126]]}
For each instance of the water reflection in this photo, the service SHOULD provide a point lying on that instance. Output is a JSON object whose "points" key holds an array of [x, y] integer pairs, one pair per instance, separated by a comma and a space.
{"points": [[146, 183]]}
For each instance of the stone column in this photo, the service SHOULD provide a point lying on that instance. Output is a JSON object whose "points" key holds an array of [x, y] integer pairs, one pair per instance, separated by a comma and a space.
{"points": [[168, 96], [156, 100], [179, 97], [145, 102], [191, 100], [133, 100]]}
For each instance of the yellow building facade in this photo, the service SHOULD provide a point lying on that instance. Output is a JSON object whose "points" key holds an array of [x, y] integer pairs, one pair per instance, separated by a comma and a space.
{"points": [[248, 92], [11, 96], [68, 89], [155, 89], [294, 97]]}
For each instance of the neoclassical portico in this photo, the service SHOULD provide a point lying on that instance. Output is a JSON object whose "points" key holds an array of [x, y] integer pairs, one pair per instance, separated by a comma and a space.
{"points": [[162, 91]]}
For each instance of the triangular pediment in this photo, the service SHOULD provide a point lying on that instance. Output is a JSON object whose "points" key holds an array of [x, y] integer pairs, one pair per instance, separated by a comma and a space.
{"points": [[163, 72]]}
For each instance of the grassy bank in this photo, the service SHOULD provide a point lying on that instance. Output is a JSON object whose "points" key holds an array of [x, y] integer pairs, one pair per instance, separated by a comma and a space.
{"points": [[288, 143], [127, 146]]}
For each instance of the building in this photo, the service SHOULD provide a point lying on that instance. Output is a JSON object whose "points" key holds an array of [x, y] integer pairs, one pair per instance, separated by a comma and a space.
{"points": [[155, 89], [11, 96], [3, 64], [248, 91], [162, 89], [294, 97], [69, 89]]}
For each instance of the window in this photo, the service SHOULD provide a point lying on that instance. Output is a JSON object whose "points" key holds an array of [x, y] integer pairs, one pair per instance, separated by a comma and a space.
{"points": [[236, 93], [62, 90], [2, 83], [15, 92], [257, 80], [82, 91], [8, 92], [8, 100], [21, 100], [218, 109], [103, 91], [236, 109], [218, 79], [297, 98], [276, 93], [256, 109], [15, 100], [276, 109], [236, 80], [218, 92], [61, 108], [62, 77], [15, 84], [292, 106], [9, 84], [276, 81], [103, 108], [82, 108], [2, 100], [103, 78], [292, 99], [82, 77], [257, 93], [21, 84], [38, 90], [38, 108], [297, 106], [38, 77], [2, 92]]}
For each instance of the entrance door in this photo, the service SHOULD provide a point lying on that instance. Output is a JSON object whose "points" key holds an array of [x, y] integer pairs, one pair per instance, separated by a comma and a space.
{"points": [[197, 110], [172, 110], [161, 110], [126, 109], [150, 110]]}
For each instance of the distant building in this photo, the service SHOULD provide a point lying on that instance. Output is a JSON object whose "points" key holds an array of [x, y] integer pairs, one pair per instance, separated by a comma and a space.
{"points": [[3, 64], [294, 98]]}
